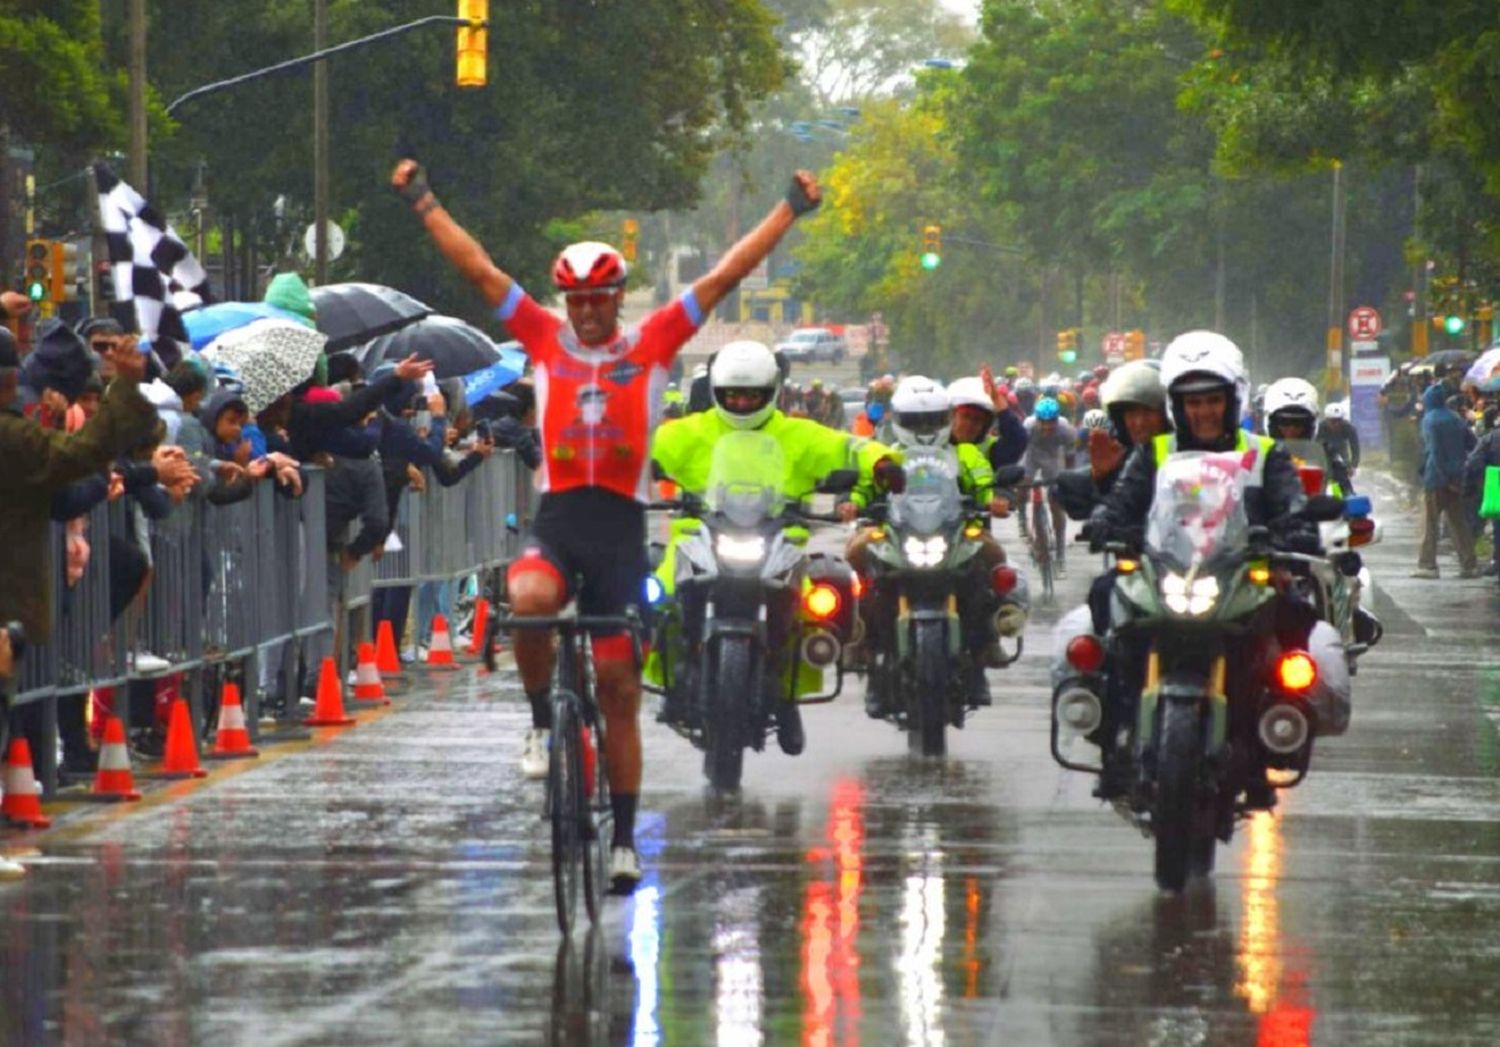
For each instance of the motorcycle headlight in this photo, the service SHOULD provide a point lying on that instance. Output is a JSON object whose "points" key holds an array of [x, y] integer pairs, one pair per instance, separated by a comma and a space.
{"points": [[925, 552], [1196, 599], [732, 549]]}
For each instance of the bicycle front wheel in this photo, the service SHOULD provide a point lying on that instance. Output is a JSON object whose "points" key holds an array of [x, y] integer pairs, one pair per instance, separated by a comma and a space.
{"points": [[1041, 544], [596, 822], [566, 800]]}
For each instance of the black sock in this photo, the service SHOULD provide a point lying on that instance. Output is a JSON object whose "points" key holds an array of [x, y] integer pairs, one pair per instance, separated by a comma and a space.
{"points": [[541, 709], [624, 808]]}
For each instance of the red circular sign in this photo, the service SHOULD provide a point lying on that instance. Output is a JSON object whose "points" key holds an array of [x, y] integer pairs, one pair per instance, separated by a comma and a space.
{"points": [[1364, 324]]}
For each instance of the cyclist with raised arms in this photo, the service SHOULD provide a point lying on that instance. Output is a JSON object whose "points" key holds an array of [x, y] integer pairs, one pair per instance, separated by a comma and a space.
{"points": [[598, 390]]}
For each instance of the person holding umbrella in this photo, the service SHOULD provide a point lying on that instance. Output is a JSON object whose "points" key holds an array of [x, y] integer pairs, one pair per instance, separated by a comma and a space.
{"points": [[598, 389]]}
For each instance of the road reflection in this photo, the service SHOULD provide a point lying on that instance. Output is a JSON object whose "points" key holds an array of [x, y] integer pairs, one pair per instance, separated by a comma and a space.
{"points": [[830, 923], [923, 923], [1272, 979]]}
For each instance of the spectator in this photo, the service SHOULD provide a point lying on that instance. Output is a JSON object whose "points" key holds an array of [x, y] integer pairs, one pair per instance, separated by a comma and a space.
{"points": [[1444, 437]]}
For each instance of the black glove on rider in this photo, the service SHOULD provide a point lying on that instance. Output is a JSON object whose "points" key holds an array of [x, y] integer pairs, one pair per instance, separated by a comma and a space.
{"points": [[417, 188], [890, 476], [798, 200]]}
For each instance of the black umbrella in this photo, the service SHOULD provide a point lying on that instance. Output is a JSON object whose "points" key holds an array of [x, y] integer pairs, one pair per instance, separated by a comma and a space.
{"points": [[1449, 358], [352, 314], [454, 347]]}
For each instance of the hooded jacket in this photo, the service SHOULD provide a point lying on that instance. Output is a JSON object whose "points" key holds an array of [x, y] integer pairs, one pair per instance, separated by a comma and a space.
{"points": [[35, 463], [1444, 440], [60, 361]]}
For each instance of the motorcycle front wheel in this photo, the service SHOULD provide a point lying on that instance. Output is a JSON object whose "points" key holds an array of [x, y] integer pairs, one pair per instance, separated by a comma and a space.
{"points": [[1179, 820], [926, 729], [727, 699]]}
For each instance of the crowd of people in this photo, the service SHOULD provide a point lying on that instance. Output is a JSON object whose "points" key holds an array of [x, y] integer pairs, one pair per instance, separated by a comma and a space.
{"points": [[82, 425]]}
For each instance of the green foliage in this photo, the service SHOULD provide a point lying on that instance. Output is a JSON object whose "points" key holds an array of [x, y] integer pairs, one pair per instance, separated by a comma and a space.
{"points": [[52, 74]]}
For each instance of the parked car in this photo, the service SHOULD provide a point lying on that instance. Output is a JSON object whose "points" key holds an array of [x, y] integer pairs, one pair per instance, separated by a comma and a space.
{"points": [[814, 344], [853, 399]]}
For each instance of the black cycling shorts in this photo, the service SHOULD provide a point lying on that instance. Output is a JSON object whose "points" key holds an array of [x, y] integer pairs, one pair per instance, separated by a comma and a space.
{"points": [[595, 534]]}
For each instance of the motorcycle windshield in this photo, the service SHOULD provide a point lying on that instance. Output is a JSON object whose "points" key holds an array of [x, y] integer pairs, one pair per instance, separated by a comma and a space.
{"points": [[931, 502], [746, 478], [1307, 452], [1198, 515]]}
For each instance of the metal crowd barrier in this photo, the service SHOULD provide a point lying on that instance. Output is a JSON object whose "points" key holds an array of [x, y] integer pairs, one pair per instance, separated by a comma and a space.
{"points": [[249, 582]]}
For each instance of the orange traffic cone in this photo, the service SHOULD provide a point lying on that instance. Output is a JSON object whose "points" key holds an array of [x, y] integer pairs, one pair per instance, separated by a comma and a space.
{"points": [[330, 708], [367, 685], [440, 650], [481, 623], [114, 782], [21, 805], [386, 659], [233, 739], [181, 757]]}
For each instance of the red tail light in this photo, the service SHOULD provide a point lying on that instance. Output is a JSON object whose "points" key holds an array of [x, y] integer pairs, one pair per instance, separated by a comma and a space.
{"points": [[1003, 579], [822, 601], [1296, 672], [1085, 653], [1312, 479], [1361, 530]]}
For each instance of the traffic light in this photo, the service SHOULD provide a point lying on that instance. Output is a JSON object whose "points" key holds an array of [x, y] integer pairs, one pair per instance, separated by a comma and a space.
{"points": [[38, 269], [67, 272], [473, 43], [1454, 323], [932, 247], [629, 240], [1135, 345], [104, 288], [1067, 345]]}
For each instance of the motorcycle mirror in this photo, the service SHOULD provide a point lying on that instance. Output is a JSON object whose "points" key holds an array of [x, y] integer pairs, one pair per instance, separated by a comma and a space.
{"points": [[1008, 475], [1322, 508], [840, 481]]}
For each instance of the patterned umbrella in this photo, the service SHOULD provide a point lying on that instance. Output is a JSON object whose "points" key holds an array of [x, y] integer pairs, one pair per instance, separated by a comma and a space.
{"points": [[352, 314], [1484, 367], [273, 357]]}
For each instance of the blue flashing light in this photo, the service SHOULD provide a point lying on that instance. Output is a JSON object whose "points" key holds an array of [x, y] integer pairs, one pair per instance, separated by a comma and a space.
{"points": [[1358, 505], [655, 591]]}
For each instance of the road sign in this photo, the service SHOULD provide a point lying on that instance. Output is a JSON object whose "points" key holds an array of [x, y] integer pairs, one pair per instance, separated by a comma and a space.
{"points": [[1364, 324], [1367, 376], [1114, 345]]}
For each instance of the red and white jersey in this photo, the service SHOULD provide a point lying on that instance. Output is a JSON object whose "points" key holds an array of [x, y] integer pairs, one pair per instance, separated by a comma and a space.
{"points": [[598, 405]]}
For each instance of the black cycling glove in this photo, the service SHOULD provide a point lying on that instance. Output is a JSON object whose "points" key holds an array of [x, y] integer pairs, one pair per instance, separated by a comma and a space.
{"points": [[798, 200], [417, 188]]}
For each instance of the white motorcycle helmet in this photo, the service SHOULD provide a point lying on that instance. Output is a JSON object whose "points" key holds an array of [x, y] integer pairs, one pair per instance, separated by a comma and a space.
{"points": [[1336, 412], [1201, 361], [920, 412], [1291, 400], [1135, 384], [969, 392], [745, 365]]}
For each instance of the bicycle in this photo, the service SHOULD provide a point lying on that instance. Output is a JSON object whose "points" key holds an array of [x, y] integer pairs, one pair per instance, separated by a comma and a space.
{"points": [[1039, 540], [577, 801]]}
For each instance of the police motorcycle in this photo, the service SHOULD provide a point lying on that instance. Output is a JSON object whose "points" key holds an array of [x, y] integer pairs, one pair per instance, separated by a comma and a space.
{"points": [[743, 618], [1337, 582], [1220, 698], [921, 554]]}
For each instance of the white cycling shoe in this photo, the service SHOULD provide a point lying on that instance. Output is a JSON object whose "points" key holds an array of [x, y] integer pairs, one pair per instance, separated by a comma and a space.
{"points": [[534, 754], [624, 870]]}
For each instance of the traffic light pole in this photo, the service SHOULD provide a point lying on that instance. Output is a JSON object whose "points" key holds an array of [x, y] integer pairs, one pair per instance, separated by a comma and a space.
{"points": [[293, 64]]}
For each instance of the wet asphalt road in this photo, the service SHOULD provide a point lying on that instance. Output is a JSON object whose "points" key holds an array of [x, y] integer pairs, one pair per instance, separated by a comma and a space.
{"points": [[389, 884]]}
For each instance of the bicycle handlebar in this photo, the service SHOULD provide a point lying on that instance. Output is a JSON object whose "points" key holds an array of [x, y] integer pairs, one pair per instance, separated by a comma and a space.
{"points": [[628, 622]]}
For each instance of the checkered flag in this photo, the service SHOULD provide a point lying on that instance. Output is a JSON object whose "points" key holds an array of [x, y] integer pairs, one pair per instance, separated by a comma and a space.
{"points": [[156, 276]]}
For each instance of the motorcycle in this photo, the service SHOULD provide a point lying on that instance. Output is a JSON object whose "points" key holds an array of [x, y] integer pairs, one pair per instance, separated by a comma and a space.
{"points": [[921, 554], [1336, 583], [743, 617], [1194, 623]]}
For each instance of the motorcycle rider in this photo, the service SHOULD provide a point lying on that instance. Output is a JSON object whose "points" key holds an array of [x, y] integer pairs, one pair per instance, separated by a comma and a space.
{"points": [[745, 380], [1050, 441], [921, 417], [1341, 440], [1204, 376], [982, 416]]}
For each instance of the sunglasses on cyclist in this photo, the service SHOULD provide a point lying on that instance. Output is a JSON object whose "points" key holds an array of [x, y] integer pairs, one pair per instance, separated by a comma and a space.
{"points": [[594, 298]]}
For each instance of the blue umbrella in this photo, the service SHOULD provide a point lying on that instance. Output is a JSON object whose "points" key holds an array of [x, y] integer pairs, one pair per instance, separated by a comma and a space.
{"points": [[511, 365], [205, 324]]}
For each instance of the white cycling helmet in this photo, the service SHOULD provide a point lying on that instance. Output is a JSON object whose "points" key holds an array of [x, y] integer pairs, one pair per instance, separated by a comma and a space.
{"points": [[1291, 399], [920, 412], [1336, 412], [969, 392], [1201, 361], [745, 365]]}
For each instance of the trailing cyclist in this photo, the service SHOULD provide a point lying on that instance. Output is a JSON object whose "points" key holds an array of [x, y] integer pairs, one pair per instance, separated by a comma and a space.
{"points": [[1049, 450], [597, 389]]}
